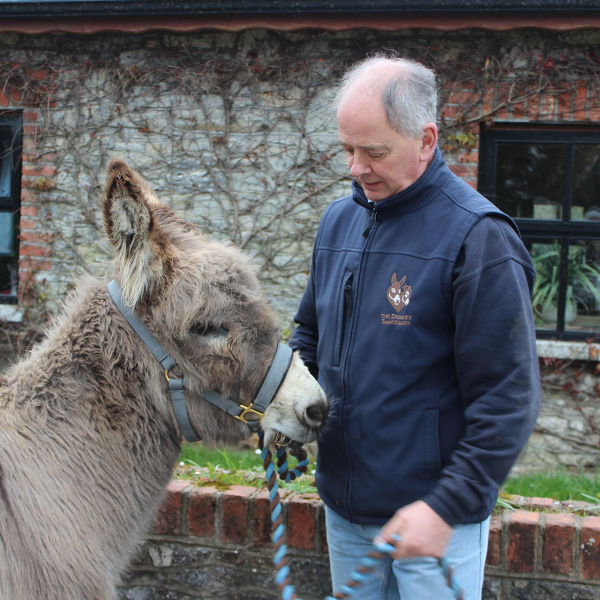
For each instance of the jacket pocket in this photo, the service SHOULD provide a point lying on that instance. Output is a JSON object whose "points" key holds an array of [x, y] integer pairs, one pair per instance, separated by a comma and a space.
{"points": [[344, 316], [430, 444]]}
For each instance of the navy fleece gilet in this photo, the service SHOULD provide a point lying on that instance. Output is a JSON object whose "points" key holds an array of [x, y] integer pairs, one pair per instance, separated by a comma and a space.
{"points": [[417, 321]]}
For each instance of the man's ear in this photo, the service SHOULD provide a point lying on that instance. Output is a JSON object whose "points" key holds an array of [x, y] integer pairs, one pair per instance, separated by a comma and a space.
{"points": [[428, 141]]}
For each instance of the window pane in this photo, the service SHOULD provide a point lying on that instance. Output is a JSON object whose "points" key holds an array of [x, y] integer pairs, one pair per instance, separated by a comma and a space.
{"points": [[583, 286], [8, 279], [586, 182], [582, 305], [5, 169], [546, 258], [7, 234], [530, 179]]}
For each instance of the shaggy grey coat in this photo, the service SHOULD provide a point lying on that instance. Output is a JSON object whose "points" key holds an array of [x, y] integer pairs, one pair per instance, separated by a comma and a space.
{"points": [[88, 438]]}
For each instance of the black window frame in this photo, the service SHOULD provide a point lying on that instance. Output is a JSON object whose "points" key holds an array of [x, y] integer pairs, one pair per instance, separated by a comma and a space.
{"points": [[564, 231], [11, 125]]}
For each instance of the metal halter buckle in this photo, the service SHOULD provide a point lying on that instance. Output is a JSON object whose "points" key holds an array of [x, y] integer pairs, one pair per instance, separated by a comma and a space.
{"points": [[249, 410]]}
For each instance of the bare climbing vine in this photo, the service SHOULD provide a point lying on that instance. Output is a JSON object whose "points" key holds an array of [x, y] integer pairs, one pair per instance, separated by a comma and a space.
{"points": [[234, 130]]}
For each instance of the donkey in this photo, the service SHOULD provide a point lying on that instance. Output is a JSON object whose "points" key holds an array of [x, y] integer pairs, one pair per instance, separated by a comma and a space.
{"points": [[399, 293], [88, 434]]}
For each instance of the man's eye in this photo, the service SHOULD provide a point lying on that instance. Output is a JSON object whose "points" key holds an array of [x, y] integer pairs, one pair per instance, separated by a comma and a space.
{"points": [[371, 155], [209, 329]]}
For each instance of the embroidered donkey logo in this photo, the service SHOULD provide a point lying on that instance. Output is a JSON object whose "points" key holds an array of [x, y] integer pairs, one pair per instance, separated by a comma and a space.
{"points": [[399, 293]]}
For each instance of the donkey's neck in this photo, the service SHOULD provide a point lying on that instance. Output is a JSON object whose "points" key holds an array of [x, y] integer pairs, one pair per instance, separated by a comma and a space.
{"points": [[92, 379]]}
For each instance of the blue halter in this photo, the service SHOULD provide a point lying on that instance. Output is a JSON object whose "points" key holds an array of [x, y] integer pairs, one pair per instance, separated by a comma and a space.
{"points": [[251, 415]]}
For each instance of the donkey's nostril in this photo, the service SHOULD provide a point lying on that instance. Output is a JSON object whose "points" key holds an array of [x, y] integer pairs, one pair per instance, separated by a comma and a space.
{"points": [[315, 415]]}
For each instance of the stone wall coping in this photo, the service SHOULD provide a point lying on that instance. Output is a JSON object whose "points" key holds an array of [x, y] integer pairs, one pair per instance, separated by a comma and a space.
{"points": [[540, 536]]}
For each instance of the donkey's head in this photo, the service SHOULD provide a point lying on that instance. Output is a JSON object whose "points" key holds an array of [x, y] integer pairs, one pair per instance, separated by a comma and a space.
{"points": [[202, 300]]}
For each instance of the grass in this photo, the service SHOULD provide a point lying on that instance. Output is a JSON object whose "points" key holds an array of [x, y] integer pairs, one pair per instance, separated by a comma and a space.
{"points": [[558, 485], [223, 467]]}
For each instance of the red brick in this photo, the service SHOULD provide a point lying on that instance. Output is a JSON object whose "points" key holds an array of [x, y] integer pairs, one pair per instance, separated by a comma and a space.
{"points": [[28, 196], [590, 548], [302, 517], [30, 116], [573, 505], [452, 113], [539, 503], [168, 516], [519, 110], [27, 224], [29, 143], [29, 211], [16, 95], [234, 513], [468, 157], [559, 543], [522, 541], [489, 101], [548, 107], [48, 170], [533, 107], [30, 129], [494, 553], [4, 99], [34, 237], [464, 170], [467, 97], [581, 102], [28, 265], [594, 112], [202, 510], [26, 250], [38, 74], [30, 171], [262, 523]]}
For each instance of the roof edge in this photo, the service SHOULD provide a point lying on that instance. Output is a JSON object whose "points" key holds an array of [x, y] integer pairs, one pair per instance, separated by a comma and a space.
{"points": [[383, 22], [285, 8]]}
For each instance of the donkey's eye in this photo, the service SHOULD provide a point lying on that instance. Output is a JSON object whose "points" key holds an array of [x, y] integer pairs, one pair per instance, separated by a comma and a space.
{"points": [[209, 329]]}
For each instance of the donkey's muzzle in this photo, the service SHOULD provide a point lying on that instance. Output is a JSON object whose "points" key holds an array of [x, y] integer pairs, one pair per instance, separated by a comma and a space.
{"points": [[314, 416]]}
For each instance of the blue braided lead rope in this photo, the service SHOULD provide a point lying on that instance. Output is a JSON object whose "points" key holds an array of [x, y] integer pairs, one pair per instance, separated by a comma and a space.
{"points": [[368, 563]]}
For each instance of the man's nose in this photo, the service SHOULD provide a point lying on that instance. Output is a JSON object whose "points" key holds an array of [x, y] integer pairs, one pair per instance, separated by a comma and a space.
{"points": [[360, 166]]}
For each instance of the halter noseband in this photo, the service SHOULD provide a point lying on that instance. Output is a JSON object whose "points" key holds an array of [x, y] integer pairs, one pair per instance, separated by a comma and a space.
{"points": [[256, 410]]}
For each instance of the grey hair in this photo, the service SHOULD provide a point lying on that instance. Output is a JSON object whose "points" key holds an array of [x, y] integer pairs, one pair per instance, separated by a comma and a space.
{"points": [[409, 96]]}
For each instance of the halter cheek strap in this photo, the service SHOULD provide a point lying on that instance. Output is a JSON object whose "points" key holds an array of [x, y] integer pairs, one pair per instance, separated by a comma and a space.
{"points": [[251, 415]]}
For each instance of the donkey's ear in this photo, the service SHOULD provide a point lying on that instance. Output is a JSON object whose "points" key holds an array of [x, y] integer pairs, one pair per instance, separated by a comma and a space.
{"points": [[141, 247], [394, 279]]}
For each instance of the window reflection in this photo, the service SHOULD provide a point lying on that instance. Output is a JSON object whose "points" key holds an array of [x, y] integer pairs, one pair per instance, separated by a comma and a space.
{"points": [[530, 179], [582, 291], [5, 169], [586, 182]]}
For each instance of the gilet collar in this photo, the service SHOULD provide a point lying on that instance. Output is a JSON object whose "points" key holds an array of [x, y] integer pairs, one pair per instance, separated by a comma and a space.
{"points": [[410, 199]]}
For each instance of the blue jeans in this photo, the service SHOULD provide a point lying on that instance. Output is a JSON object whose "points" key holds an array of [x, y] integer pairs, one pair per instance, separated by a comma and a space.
{"points": [[412, 578]]}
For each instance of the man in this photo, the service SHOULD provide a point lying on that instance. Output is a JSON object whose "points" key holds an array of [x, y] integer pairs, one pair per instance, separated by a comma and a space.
{"points": [[417, 321]]}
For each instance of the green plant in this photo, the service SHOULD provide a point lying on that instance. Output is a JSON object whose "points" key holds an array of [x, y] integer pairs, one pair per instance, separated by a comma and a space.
{"points": [[581, 279], [222, 468], [559, 485]]}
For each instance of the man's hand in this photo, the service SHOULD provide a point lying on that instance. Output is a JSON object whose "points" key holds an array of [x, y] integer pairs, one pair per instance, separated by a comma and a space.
{"points": [[421, 530]]}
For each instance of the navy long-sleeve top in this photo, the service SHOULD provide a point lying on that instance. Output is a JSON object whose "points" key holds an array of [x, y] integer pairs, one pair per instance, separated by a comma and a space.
{"points": [[417, 322]]}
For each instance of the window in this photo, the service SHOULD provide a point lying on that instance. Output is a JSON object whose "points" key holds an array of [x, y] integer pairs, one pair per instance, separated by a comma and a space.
{"points": [[548, 180], [10, 193]]}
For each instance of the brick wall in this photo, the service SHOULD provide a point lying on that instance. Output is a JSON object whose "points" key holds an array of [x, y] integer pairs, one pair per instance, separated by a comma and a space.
{"points": [[273, 159], [216, 545]]}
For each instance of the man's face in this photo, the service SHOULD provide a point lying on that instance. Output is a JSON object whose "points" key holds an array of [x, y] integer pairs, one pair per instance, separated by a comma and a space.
{"points": [[382, 160]]}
